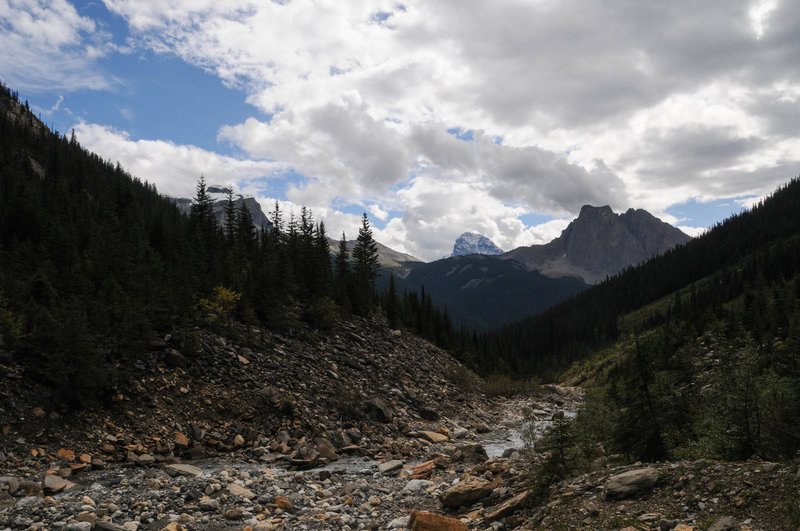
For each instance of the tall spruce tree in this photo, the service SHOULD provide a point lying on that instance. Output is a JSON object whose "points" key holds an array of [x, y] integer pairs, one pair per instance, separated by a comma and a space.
{"points": [[230, 215], [245, 231], [367, 267], [202, 213], [342, 286]]}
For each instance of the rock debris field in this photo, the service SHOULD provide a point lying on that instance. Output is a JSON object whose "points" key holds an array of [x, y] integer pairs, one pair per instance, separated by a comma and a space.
{"points": [[358, 427], [328, 430]]}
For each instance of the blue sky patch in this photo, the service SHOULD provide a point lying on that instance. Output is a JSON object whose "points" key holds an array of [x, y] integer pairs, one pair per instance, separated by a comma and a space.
{"points": [[694, 213], [531, 219], [462, 134]]}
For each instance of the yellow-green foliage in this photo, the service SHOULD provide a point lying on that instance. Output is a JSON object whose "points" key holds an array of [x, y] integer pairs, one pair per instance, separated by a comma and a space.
{"points": [[220, 306]]}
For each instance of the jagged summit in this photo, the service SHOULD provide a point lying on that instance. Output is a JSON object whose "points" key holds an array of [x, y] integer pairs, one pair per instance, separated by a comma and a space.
{"points": [[600, 243], [470, 243], [219, 194]]}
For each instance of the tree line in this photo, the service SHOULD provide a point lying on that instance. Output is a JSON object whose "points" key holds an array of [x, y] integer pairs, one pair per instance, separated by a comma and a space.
{"points": [[94, 262]]}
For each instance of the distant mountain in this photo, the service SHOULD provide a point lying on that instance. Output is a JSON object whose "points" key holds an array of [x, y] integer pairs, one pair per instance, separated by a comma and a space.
{"points": [[600, 243], [219, 194], [470, 243], [398, 263], [484, 292]]}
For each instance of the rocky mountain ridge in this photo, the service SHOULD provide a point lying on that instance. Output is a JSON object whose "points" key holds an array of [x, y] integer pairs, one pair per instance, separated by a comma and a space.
{"points": [[470, 243], [219, 195], [484, 292], [600, 243], [399, 263]]}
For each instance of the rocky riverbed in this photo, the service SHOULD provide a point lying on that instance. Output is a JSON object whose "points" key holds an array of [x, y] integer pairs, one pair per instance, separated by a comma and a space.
{"points": [[348, 428], [448, 476], [357, 427]]}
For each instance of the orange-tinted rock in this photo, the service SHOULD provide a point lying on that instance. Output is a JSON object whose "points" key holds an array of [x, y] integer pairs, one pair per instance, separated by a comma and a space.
{"points": [[283, 503], [424, 521], [181, 441], [509, 507], [63, 453], [423, 470], [433, 437], [466, 493]]}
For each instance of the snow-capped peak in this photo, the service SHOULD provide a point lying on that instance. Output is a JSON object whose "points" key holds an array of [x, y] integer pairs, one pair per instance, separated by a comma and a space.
{"points": [[470, 243]]}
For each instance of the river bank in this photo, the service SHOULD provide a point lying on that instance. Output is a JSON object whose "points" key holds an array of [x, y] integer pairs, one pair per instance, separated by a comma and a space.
{"points": [[447, 471]]}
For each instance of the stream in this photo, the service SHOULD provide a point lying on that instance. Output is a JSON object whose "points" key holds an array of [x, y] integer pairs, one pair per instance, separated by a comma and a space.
{"points": [[230, 493]]}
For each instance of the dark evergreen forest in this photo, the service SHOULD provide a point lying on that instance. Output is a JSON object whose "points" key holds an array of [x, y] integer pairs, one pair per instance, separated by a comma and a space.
{"points": [[94, 263]]}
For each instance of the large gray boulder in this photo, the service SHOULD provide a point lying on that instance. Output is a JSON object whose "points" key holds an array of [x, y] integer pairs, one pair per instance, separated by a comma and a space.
{"points": [[631, 483], [728, 523]]}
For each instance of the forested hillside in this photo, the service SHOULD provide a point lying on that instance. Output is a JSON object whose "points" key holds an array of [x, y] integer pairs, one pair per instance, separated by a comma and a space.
{"points": [[94, 263], [694, 354], [755, 252]]}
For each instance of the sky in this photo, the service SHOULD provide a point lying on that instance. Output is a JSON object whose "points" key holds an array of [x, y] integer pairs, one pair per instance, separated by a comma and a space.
{"points": [[434, 117]]}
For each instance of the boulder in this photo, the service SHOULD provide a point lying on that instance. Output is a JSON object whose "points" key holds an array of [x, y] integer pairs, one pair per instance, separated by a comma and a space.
{"points": [[729, 523], [471, 453], [181, 441], [305, 457], [326, 450], [378, 410], [209, 504], [423, 470], [11, 483], [283, 503], [428, 413], [417, 484], [508, 507], [631, 483], [63, 453], [145, 460], [173, 358], [237, 490], [53, 484], [424, 521], [390, 467], [466, 493], [433, 437], [183, 470], [399, 523]]}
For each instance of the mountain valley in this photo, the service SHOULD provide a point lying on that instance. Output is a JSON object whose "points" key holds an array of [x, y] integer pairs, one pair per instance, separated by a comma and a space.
{"points": [[485, 290], [162, 373]]}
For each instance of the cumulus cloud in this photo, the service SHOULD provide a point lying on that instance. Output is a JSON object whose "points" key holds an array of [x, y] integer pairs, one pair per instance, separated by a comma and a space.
{"points": [[461, 114], [597, 102], [46, 44], [438, 210], [174, 169]]}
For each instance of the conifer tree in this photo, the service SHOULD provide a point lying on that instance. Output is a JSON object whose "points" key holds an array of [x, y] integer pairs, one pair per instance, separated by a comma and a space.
{"points": [[342, 274], [202, 213], [245, 232], [323, 260], [367, 266], [230, 215]]}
